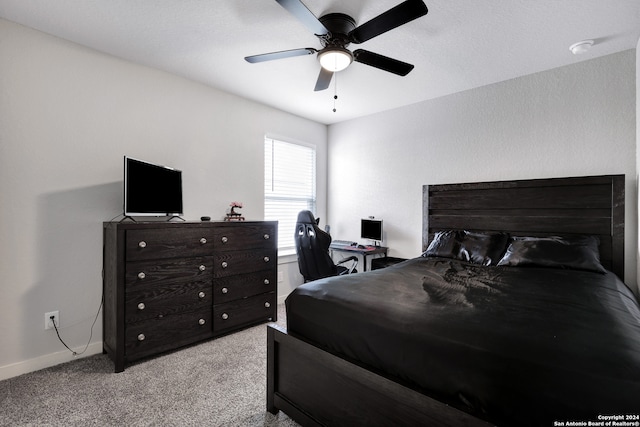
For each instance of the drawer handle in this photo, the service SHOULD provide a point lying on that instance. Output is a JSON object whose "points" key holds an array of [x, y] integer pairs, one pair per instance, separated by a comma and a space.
{"points": [[225, 316], [141, 275], [266, 304], [141, 306], [224, 264], [266, 236], [141, 337], [202, 322], [203, 241], [202, 267], [224, 290], [266, 281], [201, 295], [224, 239], [266, 259], [142, 244]]}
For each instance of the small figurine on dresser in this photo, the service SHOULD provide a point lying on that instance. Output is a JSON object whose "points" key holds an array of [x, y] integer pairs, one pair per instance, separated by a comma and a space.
{"points": [[232, 215]]}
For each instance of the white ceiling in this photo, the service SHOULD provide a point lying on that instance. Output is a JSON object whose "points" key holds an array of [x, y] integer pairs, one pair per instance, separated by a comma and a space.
{"points": [[458, 45]]}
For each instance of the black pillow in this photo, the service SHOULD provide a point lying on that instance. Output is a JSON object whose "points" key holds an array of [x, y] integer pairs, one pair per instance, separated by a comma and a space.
{"points": [[445, 244], [577, 253], [484, 248]]}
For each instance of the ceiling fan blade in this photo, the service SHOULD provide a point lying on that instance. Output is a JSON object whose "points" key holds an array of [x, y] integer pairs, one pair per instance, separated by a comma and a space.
{"points": [[280, 55], [392, 18], [304, 15], [324, 79], [382, 62]]}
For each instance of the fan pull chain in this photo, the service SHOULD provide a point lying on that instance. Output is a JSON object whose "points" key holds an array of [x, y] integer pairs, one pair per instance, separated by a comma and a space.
{"points": [[335, 93]]}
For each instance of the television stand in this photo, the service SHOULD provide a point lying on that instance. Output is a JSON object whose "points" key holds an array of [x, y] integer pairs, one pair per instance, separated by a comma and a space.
{"points": [[132, 219]]}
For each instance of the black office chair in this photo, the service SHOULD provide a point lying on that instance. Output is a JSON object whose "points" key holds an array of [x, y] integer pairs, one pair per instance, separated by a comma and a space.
{"points": [[312, 247]]}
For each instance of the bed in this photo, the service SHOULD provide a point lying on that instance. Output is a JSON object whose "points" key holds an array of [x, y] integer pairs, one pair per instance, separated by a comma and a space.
{"points": [[454, 338]]}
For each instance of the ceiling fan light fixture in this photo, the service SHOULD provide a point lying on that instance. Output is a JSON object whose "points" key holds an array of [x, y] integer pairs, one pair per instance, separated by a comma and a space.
{"points": [[335, 59]]}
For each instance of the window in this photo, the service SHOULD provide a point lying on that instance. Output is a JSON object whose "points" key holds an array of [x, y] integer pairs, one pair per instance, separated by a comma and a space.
{"points": [[289, 186]]}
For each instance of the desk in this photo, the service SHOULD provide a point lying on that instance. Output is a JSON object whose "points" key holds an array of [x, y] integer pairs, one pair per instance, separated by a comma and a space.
{"points": [[366, 251]]}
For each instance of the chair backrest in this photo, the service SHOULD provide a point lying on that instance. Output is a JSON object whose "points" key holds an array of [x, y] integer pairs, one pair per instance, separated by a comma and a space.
{"points": [[312, 247]]}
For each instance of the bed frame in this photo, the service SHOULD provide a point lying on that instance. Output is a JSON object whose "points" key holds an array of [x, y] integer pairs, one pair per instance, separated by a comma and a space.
{"points": [[315, 387]]}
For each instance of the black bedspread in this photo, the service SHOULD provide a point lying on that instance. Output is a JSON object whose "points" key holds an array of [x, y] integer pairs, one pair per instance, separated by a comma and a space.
{"points": [[514, 346]]}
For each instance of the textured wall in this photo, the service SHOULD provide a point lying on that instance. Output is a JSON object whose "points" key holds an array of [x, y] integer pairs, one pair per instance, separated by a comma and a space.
{"points": [[637, 180]]}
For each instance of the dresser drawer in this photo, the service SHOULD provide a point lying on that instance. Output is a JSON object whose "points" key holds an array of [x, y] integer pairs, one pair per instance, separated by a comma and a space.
{"points": [[242, 235], [240, 262], [234, 314], [157, 301], [143, 273], [153, 336], [154, 243], [245, 285]]}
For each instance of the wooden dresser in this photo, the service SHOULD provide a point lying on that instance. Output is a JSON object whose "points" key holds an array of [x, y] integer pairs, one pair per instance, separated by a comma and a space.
{"points": [[169, 284]]}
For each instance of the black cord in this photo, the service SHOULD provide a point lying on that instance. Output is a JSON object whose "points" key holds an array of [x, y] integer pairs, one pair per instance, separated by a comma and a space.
{"points": [[53, 320], [120, 214], [75, 353]]}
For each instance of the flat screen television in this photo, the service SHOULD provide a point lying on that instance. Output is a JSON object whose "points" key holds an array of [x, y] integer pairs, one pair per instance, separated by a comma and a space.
{"points": [[151, 189], [371, 229]]}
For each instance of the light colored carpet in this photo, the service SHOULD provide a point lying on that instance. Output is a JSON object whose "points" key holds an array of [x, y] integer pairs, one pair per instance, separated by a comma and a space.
{"points": [[221, 382]]}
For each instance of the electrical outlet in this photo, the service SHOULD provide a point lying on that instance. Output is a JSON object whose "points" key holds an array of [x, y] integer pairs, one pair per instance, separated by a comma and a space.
{"points": [[48, 322], [280, 276]]}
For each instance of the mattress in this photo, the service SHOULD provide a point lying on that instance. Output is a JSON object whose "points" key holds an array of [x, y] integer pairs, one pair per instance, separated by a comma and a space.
{"points": [[511, 345]]}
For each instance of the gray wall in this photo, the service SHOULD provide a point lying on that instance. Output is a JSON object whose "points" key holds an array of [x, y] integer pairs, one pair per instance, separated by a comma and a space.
{"points": [[68, 115], [636, 249]]}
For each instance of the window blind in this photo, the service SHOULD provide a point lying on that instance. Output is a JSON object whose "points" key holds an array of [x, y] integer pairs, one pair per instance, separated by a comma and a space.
{"points": [[289, 186]]}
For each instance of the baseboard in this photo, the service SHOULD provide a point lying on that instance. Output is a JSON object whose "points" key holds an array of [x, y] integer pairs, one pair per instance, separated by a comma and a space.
{"points": [[46, 361]]}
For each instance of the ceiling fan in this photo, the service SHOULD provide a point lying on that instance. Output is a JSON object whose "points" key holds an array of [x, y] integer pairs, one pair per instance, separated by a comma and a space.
{"points": [[337, 30]]}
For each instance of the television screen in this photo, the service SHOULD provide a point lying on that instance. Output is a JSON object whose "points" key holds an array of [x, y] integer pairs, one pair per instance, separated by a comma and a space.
{"points": [[371, 229], [151, 189]]}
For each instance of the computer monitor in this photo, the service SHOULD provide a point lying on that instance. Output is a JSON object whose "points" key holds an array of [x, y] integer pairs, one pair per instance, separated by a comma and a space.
{"points": [[371, 229]]}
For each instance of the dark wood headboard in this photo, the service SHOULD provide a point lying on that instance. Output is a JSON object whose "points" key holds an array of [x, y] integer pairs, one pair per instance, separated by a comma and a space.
{"points": [[591, 205]]}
